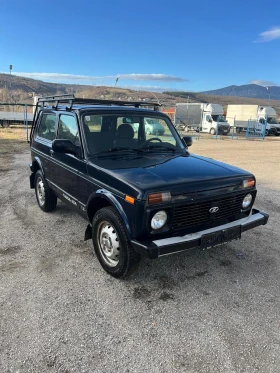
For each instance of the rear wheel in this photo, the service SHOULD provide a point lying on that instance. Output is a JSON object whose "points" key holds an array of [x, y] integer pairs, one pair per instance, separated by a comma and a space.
{"points": [[111, 243], [5, 124], [46, 198]]}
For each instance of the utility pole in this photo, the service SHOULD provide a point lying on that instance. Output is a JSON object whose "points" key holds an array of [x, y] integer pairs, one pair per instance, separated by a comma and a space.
{"points": [[268, 96], [115, 87], [11, 67]]}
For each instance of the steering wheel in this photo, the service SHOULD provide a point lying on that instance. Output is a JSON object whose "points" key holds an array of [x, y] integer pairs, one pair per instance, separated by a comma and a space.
{"points": [[148, 141]]}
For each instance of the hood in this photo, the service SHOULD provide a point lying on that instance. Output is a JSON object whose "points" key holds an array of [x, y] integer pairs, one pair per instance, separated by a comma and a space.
{"points": [[164, 172]]}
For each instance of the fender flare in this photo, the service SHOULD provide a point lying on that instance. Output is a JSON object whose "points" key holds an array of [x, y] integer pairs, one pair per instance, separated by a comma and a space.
{"points": [[109, 197], [38, 161]]}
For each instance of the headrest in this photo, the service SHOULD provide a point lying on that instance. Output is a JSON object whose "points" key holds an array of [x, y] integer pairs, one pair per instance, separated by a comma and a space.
{"points": [[125, 131]]}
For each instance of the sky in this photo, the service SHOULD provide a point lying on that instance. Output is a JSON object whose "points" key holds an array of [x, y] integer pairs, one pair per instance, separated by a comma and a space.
{"points": [[155, 45]]}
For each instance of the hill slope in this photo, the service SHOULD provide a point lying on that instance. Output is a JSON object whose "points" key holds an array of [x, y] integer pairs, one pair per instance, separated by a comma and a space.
{"points": [[247, 90], [23, 88]]}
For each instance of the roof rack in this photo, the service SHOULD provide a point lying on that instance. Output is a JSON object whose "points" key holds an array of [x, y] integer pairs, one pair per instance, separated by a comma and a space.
{"points": [[70, 100]]}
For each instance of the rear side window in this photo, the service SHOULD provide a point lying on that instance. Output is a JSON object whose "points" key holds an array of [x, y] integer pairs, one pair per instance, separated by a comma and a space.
{"points": [[47, 126]]}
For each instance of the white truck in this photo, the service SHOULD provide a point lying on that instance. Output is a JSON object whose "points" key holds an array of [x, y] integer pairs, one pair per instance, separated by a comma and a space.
{"points": [[207, 118], [239, 115]]}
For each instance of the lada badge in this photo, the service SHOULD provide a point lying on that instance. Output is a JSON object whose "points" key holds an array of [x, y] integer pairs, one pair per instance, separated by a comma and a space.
{"points": [[214, 209]]}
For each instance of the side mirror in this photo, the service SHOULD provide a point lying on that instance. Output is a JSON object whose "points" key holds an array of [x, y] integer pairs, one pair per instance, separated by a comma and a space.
{"points": [[66, 146], [188, 140]]}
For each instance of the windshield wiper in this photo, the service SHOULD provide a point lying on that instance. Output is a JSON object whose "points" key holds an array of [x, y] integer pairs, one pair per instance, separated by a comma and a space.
{"points": [[119, 149], [160, 147]]}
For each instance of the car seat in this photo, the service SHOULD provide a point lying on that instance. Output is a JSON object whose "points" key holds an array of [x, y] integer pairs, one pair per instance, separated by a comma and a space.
{"points": [[124, 136]]}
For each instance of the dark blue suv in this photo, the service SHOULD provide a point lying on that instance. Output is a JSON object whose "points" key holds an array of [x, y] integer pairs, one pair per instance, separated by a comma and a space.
{"points": [[141, 193]]}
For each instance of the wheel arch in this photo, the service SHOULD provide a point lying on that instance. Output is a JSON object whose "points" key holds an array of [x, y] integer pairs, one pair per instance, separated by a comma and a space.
{"points": [[37, 165], [34, 167], [102, 198]]}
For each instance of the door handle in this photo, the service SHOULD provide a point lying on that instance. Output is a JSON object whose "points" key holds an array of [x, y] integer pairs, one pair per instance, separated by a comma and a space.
{"points": [[51, 152]]}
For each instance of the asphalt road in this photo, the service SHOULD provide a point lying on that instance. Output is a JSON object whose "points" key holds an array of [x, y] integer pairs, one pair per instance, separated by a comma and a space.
{"points": [[200, 311]]}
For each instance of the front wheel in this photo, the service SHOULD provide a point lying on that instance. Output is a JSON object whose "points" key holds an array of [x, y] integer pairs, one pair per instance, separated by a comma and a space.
{"points": [[212, 131], [46, 198], [111, 243]]}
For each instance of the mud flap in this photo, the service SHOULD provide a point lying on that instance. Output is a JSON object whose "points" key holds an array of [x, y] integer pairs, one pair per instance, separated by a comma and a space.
{"points": [[88, 233], [32, 180]]}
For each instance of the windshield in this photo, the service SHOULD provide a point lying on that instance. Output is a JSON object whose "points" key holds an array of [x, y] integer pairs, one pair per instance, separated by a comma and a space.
{"points": [[128, 133], [218, 118], [272, 120]]}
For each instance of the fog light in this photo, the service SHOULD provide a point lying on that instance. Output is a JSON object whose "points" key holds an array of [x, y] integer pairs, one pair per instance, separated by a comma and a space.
{"points": [[158, 220], [247, 201]]}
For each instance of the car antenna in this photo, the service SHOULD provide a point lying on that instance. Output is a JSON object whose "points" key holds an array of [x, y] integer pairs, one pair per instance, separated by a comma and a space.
{"points": [[155, 97]]}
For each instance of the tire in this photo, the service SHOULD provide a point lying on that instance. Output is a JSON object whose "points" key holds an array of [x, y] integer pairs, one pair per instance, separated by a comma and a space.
{"points": [[266, 132], [5, 124], [148, 132], [114, 252], [46, 198], [186, 129], [212, 131]]}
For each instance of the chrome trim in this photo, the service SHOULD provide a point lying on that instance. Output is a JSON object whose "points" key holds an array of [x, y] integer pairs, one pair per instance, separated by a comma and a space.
{"points": [[62, 191]]}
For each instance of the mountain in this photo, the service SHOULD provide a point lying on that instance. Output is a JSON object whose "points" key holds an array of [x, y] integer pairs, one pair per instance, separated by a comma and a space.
{"points": [[248, 90]]}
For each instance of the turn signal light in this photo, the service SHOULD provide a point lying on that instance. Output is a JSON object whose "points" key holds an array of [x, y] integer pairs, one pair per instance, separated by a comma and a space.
{"points": [[129, 199], [155, 198], [249, 183]]}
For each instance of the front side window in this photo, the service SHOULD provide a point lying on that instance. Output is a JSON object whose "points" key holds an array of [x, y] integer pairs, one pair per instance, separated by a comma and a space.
{"points": [[272, 120], [68, 129], [47, 126], [128, 132], [219, 118]]}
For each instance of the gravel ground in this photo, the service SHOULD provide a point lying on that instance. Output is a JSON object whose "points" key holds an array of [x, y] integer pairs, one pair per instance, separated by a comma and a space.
{"points": [[199, 311]]}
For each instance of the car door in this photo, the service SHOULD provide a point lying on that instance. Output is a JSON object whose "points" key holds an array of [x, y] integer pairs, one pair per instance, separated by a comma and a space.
{"points": [[66, 167]]}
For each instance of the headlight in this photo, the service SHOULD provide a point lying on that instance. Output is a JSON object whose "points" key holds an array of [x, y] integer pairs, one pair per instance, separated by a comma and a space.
{"points": [[159, 219], [249, 183], [247, 201]]}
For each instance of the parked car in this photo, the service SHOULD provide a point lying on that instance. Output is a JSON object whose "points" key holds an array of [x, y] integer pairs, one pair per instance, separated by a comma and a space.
{"points": [[141, 195], [152, 127]]}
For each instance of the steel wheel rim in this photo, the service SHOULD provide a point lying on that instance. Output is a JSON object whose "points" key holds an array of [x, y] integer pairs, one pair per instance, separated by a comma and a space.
{"points": [[41, 191], [108, 243]]}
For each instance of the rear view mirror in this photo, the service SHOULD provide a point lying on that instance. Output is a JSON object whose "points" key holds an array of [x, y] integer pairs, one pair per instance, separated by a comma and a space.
{"points": [[188, 140]]}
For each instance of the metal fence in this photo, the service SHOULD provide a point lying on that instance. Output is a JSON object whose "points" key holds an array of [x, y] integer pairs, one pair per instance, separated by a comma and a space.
{"points": [[255, 129]]}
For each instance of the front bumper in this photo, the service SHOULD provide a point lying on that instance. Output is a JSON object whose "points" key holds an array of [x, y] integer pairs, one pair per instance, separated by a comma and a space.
{"points": [[154, 249]]}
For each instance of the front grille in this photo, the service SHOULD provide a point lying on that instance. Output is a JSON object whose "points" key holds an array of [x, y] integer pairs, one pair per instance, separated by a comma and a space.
{"points": [[198, 213]]}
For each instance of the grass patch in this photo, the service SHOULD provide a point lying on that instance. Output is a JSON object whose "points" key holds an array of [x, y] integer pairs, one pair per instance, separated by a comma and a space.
{"points": [[13, 140]]}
